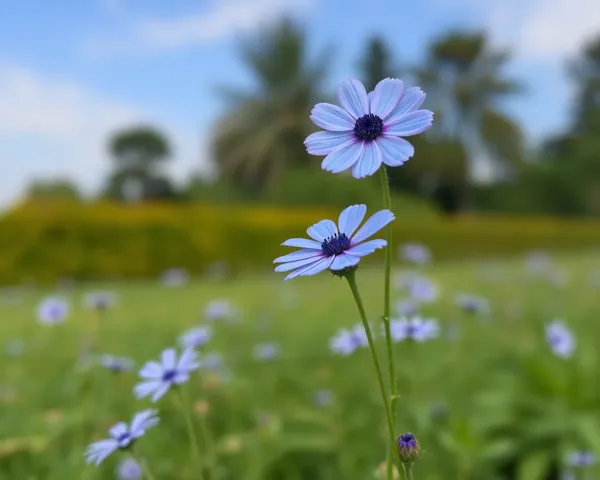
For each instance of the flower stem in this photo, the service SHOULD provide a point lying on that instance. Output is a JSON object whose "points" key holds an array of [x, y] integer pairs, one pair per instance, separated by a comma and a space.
{"points": [[408, 471], [210, 447], [351, 277], [143, 465], [387, 202], [183, 404]]}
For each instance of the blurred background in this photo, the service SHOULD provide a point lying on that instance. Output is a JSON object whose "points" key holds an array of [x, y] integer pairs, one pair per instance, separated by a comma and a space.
{"points": [[154, 150]]}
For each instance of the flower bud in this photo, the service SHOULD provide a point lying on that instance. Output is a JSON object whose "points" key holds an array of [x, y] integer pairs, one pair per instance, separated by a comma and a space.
{"points": [[408, 448]]}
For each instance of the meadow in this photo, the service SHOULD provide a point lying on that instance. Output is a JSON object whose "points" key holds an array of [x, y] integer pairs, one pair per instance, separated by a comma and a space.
{"points": [[487, 398]]}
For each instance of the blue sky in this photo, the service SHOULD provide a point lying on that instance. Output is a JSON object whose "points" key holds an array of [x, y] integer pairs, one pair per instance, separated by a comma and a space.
{"points": [[71, 72]]}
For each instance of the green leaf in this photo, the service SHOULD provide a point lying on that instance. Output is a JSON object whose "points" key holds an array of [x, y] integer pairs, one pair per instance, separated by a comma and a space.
{"points": [[534, 466]]}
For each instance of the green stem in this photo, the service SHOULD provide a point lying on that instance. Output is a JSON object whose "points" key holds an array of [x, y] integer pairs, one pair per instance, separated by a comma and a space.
{"points": [[183, 404], [387, 203], [351, 277], [210, 447], [143, 465], [408, 471]]}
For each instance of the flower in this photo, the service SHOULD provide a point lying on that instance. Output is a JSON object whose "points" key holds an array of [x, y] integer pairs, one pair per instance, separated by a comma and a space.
{"points": [[122, 436], [472, 303], [266, 351], [408, 447], [407, 308], [420, 289], [415, 328], [345, 341], [581, 459], [100, 301], [366, 131], [560, 338], [195, 337], [415, 253], [129, 469], [116, 364], [171, 371], [53, 310], [333, 248], [175, 277], [218, 310]]}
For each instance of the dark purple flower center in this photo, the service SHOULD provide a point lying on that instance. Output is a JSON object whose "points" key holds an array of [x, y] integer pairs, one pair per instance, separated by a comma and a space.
{"points": [[169, 375], [407, 441], [124, 439], [336, 244], [368, 127], [411, 331]]}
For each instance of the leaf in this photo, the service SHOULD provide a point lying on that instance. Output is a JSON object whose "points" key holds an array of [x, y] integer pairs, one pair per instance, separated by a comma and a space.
{"points": [[534, 466]]}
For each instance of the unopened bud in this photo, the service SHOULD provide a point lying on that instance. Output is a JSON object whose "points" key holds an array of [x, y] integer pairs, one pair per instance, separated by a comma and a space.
{"points": [[408, 448]]}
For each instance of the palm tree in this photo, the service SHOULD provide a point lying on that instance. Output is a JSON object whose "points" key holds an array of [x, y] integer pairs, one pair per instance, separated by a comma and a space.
{"points": [[464, 80], [263, 134]]}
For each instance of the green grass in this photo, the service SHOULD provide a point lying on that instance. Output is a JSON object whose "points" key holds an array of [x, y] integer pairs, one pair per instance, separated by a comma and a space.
{"points": [[494, 396]]}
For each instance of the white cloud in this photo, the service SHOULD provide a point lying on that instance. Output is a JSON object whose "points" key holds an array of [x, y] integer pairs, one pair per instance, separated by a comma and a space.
{"points": [[222, 19], [52, 128]]}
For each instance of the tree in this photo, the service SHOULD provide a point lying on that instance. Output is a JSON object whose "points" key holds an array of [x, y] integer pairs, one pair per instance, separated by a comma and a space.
{"points": [[463, 78], [59, 189], [377, 63], [138, 155], [263, 133], [586, 73]]}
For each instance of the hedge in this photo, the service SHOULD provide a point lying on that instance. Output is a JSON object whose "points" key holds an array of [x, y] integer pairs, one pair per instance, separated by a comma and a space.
{"points": [[107, 241]]}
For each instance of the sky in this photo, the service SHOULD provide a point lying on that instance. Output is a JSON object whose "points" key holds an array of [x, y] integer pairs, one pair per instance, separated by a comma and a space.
{"points": [[71, 73]]}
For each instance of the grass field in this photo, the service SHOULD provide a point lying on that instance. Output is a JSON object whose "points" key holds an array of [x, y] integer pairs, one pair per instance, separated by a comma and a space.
{"points": [[487, 399]]}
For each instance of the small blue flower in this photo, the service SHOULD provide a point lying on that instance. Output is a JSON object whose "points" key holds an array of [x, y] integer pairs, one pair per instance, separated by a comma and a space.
{"points": [[175, 277], [560, 338], [53, 310], [219, 310], [367, 130], [333, 248], [407, 308], [122, 436], [345, 341], [416, 328], [581, 459], [116, 364], [415, 253], [129, 469], [195, 337], [323, 398], [473, 303], [266, 351], [420, 289], [171, 371], [100, 301]]}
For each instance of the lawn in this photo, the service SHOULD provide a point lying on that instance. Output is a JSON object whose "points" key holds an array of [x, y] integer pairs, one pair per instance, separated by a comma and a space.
{"points": [[487, 399]]}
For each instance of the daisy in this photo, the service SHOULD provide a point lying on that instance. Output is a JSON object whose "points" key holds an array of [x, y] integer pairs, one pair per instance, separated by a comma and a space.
{"points": [[53, 311], [345, 341], [158, 378], [100, 301], [334, 247], [366, 130], [416, 328], [116, 364], [122, 436], [560, 338], [129, 469], [415, 253], [195, 337]]}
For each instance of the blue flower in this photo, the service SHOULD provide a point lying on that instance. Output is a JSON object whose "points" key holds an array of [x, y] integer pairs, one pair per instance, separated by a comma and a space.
{"points": [[53, 310], [195, 337], [345, 341], [407, 308], [408, 447], [116, 364], [473, 303], [219, 310], [333, 248], [415, 253], [416, 328], [560, 338], [366, 131], [129, 469], [100, 301], [420, 289], [175, 277], [266, 351], [581, 459], [171, 371], [122, 436]]}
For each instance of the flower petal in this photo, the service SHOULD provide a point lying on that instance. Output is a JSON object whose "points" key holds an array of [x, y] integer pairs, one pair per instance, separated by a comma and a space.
{"points": [[168, 358], [151, 370], [117, 430], [395, 150], [311, 269], [350, 218], [411, 100], [386, 96], [343, 157], [286, 267], [366, 248], [344, 261], [98, 451], [298, 255], [332, 118], [143, 420], [322, 230], [410, 124], [188, 360], [324, 142], [159, 393], [302, 243], [353, 98], [369, 162], [144, 389], [373, 225]]}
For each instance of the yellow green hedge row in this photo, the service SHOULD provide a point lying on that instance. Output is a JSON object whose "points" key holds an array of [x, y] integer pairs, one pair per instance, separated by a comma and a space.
{"points": [[46, 241]]}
